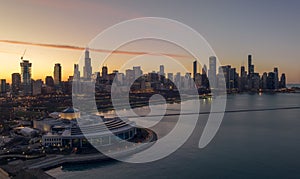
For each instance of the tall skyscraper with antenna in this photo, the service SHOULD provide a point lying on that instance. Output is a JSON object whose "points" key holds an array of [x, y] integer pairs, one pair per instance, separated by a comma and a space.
{"points": [[250, 65], [87, 69]]}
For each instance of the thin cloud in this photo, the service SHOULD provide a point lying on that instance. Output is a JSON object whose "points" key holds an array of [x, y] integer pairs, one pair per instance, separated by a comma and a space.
{"points": [[71, 47]]}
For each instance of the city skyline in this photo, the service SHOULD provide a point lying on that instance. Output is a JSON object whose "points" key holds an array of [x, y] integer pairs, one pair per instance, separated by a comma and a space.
{"points": [[149, 89], [214, 77], [259, 30], [87, 73], [69, 71]]}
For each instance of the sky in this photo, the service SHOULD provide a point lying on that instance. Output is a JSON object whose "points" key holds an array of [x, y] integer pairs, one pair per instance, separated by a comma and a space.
{"points": [[268, 29]]}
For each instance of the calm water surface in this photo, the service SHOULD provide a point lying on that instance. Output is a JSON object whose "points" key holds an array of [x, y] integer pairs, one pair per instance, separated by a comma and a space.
{"points": [[256, 144]]}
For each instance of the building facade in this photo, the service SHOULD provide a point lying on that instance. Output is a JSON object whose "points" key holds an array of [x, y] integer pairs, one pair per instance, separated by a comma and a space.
{"points": [[26, 77], [57, 74]]}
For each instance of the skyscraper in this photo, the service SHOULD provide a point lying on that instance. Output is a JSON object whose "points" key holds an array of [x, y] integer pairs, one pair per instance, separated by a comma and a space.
{"points": [[243, 71], [3, 86], [162, 70], [162, 74], [232, 78], [243, 79], [271, 81], [153, 77], [255, 82], [137, 71], [104, 73], [37, 87], [129, 76], [26, 77], [264, 81], [57, 74], [250, 65], [76, 72], [177, 80], [226, 72], [15, 83], [283, 81], [49, 81], [87, 69], [119, 77], [276, 80], [170, 76], [194, 69], [204, 70], [187, 83], [204, 79], [212, 72]]}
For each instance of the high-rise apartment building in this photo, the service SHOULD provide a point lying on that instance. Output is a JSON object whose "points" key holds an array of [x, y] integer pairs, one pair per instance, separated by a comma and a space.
{"points": [[194, 69], [15, 83], [26, 77], [57, 74], [76, 72], [212, 72]]}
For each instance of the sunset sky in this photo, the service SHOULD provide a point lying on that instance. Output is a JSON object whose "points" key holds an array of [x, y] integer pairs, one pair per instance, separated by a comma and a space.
{"points": [[268, 29]]}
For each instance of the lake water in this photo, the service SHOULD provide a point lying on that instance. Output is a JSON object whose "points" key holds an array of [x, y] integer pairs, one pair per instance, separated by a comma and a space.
{"points": [[255, 144]]}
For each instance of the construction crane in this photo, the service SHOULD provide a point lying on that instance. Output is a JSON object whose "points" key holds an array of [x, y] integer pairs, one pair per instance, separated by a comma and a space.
{"points": [[23, 54]]}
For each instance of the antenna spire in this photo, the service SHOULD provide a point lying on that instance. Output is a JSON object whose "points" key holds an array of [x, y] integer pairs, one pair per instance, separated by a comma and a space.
{"points": [[23, 54]]}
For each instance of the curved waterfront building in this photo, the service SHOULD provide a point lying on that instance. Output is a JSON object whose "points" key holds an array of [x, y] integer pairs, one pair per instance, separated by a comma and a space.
{"points": [[98, 130], [106, 133]]}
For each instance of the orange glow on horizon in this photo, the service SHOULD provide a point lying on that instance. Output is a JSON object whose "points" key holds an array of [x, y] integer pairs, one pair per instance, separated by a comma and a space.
{"points": [[55, 53]]}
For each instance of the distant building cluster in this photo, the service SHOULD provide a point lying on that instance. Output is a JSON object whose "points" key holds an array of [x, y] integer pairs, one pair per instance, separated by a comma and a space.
{"points": [[225, 77], [251, 80], [23, 85]]}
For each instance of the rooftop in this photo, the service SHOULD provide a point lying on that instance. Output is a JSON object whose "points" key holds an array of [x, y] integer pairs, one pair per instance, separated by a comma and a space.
{"points": [[70, 110]]}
